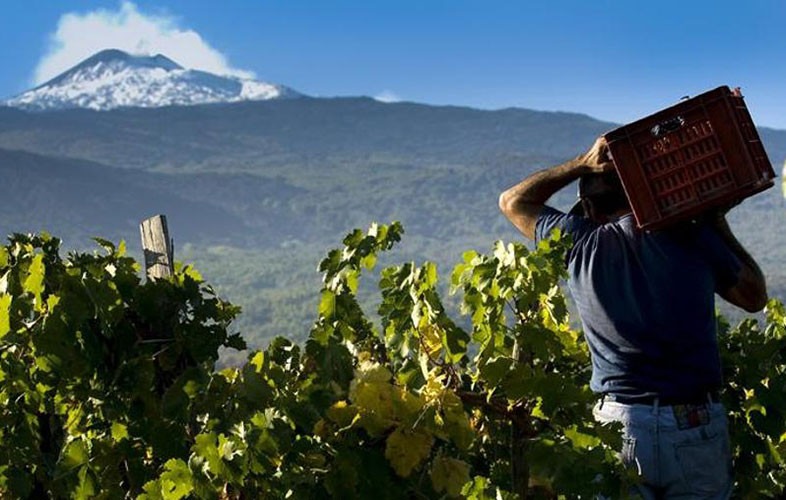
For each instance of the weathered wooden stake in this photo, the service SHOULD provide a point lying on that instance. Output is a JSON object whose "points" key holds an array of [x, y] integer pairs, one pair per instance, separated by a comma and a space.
{"points": [[158, 247], [518, 444]]}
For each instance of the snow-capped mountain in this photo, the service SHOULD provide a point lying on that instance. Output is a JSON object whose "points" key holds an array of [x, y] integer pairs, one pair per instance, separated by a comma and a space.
{"points": [[113, 78]]}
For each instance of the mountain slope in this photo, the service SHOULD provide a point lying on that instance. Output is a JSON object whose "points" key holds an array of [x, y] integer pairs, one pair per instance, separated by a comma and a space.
{"points": [[77, 200], [113, 78], [261, 189], [307, 168], [296, 131]]}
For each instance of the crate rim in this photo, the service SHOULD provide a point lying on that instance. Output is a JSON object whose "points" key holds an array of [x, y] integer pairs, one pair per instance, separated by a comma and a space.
{"points": [[644, 121]]}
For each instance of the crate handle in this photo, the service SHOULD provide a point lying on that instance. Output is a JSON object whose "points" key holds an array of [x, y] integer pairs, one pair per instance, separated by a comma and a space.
{"points": [[667, 126]]}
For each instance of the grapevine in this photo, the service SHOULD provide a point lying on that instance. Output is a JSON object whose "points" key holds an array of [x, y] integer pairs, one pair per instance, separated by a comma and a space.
{"points": [[109, 386]]}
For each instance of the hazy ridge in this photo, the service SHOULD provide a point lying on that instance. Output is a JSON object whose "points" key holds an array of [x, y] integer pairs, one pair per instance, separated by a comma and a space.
{"points": [[257, 191]]}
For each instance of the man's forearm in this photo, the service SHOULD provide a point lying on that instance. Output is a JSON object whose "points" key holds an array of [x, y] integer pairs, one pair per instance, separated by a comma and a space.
{"points": [[540, 186], [751, 291], [523, 202], [734, 244]]}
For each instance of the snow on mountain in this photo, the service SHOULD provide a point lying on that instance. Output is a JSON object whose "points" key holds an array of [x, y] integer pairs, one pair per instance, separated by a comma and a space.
{"points": [[113, 78]]}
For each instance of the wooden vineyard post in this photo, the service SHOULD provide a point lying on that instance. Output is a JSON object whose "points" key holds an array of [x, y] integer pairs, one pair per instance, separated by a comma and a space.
{"points": [[519, 439], [158, 247]]}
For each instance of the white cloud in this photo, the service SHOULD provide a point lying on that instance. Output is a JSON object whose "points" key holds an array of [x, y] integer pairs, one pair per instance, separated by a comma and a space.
{"points": [[80, 35], [387, 96]]}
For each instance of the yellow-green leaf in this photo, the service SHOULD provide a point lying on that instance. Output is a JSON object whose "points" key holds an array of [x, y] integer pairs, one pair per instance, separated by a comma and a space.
{"points": [[51, 302], [369, 261], [257, 361], [86, 487], [327, 304], [449, 475], [119, 431], [581, 440], [74, 454], [5, 314], [175, 483], [34, 283], [406, 450]]}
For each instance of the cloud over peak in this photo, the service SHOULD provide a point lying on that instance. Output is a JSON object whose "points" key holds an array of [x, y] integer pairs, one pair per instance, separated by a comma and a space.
{"points": [[80, 35]]}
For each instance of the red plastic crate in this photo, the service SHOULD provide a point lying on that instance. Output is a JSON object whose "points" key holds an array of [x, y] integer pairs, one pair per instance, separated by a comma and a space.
{"points": [[699, 154]]}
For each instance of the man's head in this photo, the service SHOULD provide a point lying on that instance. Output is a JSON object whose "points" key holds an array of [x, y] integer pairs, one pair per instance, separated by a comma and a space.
{"points": [[602, 196]]}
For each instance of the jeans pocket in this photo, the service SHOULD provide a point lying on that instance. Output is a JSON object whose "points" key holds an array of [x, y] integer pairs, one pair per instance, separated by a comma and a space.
{"points": [[705, 463]]}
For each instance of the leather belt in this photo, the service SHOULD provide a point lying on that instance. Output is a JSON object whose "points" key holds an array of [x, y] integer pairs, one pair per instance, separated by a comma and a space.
{"points": [[693, 399]]}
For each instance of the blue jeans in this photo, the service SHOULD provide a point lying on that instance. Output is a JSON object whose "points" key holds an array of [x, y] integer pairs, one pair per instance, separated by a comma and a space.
{"points": [[670, 461]]}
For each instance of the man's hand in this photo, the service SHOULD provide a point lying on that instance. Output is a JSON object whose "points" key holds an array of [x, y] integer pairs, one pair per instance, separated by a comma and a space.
{"points": [[522, 203], [597, 159]]}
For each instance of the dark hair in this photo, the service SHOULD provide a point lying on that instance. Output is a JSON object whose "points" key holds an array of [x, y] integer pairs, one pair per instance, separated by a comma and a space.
{"points": [[608, 203], [605, 191]]}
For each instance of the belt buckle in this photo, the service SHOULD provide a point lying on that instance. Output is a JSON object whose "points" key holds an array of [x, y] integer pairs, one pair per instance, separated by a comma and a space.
{"points": [[690, 416]]}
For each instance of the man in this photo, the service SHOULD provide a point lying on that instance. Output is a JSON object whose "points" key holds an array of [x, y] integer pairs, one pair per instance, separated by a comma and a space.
{"points": [[647, 306]]}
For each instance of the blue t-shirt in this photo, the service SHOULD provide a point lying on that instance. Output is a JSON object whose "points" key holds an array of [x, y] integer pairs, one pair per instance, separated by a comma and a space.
{"points": [[646, 302]]}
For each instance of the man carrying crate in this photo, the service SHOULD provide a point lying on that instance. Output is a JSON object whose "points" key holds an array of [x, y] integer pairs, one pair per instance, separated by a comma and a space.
{"points": [[647, 306]]}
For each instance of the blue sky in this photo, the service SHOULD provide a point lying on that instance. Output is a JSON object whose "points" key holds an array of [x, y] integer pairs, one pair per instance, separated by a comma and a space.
{"points": [[614, 60]]}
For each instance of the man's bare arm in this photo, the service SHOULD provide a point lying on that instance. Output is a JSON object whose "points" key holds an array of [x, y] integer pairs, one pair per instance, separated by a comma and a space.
{"points": [[523, 202], [750, 291]]}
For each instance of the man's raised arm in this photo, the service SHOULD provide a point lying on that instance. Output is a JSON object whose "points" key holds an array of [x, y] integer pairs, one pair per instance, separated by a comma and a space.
{"points": [[523, 202], [750, 291]]}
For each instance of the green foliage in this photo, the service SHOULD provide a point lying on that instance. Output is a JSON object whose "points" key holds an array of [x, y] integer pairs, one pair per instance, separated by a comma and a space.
{"points": [[421, 407], [754, 360], [109, 389], [98, 372]]}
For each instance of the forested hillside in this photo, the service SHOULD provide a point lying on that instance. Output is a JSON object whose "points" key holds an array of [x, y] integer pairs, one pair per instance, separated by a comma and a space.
{"points": [[256, 191]]}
